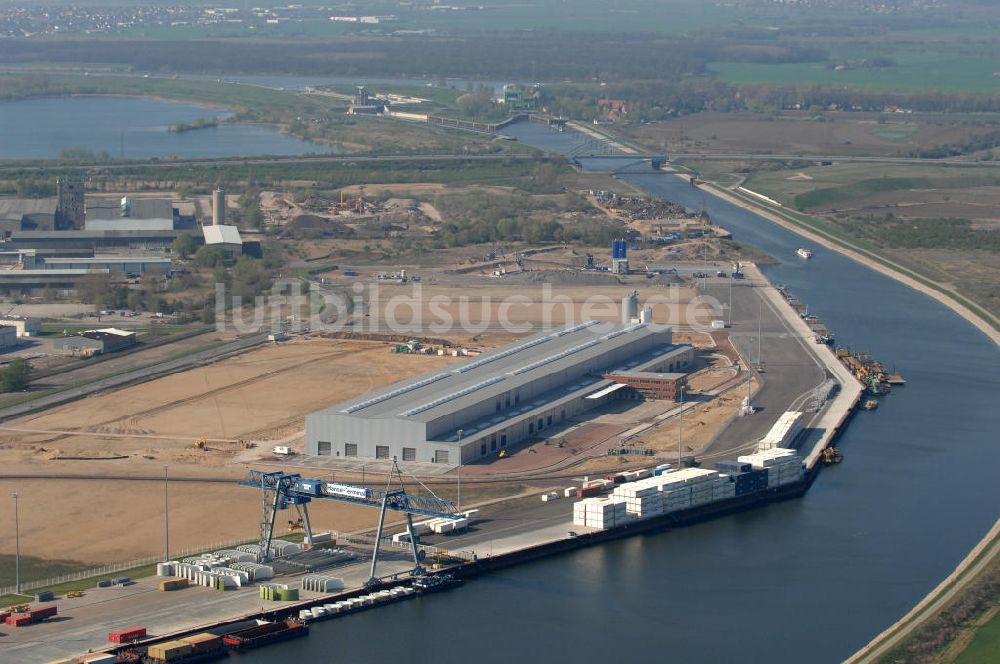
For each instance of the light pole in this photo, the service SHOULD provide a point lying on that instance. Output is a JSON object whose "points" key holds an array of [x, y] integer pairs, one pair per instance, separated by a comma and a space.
{"points": [[460, 432], [680, 428], [730, 316], [166, 516], [17, 548]]}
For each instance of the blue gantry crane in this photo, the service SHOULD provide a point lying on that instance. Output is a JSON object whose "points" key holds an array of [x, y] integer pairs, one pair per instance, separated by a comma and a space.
{"points": [[280, 490]]}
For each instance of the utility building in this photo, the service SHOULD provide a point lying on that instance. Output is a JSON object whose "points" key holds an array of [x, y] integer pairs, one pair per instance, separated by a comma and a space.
{"points": [[475, 409]]}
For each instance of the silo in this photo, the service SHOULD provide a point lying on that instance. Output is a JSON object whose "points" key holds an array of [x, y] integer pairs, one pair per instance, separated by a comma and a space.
{"points": [[218, 207]]}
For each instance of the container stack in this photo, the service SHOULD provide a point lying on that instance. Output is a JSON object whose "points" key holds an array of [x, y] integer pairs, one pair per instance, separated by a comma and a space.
{"points": [[236, 556], [723, 488], [784, 431], [31, 617], [733, 467], [676, 499], [319, 583], [281, 548], [601, 513], [783, 465], [642, 498], [256, 571], [250, 548]]}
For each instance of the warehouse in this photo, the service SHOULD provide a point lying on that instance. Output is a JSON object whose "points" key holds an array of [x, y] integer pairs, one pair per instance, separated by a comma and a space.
{"points": [[8, 337], [94, 342], [117, 265], [497, 400], [25, 327], [131, 214]]}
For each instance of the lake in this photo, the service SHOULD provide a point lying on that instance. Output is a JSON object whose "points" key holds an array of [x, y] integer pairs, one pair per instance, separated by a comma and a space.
{"points": [[134, 128]]}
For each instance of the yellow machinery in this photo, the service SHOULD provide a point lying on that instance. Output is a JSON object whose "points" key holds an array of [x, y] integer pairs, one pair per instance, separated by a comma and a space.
{"points": [[832, 455], [74, 593], [295, 525]]}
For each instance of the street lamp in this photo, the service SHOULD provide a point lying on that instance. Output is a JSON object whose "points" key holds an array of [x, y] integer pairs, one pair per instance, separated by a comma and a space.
{"points": [[17, 548], [166, 517], [680, 427], [460, 432]]}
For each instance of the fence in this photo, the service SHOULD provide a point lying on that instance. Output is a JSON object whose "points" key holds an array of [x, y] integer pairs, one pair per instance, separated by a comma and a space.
{"points": [[119, 567]]}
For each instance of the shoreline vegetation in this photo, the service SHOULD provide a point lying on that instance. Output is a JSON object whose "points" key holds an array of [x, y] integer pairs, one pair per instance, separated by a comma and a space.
{"points": [[200, 123]]}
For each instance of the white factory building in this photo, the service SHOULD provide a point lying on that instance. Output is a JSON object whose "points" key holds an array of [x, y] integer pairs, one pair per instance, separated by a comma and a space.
{"points": [[496, 400]]}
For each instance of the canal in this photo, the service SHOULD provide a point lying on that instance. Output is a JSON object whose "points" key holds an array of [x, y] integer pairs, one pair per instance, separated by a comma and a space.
{"points": [[805, 580]]}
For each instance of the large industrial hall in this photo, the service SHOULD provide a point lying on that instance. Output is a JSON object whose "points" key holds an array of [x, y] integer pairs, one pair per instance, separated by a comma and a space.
{"points": [[499, 399]]}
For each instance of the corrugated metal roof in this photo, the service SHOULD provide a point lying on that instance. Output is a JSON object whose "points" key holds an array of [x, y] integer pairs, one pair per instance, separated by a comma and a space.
{"points": [[137, 208], [493, 373], [221, 235]]}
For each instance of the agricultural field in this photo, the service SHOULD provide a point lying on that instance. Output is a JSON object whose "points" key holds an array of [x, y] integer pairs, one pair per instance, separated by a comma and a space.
{"points": [[802, 133], [950, 67], [943, 222]]}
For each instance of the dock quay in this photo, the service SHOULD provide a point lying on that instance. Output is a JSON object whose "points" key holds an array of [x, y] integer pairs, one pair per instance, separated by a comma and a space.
{"points": [[541, 529]]}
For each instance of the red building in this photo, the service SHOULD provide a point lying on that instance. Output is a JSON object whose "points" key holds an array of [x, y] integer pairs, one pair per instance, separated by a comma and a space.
{"points": [[651, 385]]}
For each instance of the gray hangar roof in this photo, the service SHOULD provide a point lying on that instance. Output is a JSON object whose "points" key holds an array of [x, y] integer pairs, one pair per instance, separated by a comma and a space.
{"points": [[427, 397]]}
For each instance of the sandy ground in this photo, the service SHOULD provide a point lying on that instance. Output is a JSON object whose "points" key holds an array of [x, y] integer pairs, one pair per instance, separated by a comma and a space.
{"points": [[261, 395]]}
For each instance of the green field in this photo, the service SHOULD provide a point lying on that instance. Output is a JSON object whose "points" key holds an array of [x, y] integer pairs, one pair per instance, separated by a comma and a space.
{"points": [[955, 69], [985, 645], [830, 186], [33, 569]]}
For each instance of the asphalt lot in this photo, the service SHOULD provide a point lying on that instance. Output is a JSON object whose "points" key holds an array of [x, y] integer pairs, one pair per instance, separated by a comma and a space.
{"points": [[791, 369]]}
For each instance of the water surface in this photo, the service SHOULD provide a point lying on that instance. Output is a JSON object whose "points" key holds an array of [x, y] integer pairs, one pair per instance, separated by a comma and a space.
{"points": [[133, 128]]}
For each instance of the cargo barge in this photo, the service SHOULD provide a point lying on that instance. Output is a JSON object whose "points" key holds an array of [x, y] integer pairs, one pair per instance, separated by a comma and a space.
{"points": [[265, 633]]}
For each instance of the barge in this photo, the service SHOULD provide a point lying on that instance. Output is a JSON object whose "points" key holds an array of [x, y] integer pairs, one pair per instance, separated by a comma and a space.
{"points": [[265, 633]]}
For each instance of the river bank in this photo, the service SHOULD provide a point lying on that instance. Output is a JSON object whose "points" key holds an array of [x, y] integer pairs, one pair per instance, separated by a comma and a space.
{"points": [[989, 328]]}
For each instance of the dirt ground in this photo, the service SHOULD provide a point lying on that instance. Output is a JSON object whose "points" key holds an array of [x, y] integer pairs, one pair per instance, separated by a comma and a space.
{"points": [[261, 395], [99, 522]]}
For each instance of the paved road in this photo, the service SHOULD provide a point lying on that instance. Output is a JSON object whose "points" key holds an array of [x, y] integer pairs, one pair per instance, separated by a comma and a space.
{"points": [[680, 156], [131, 377], [791, 369]]}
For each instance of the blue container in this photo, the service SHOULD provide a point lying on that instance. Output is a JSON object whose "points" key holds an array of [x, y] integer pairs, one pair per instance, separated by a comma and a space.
{"points": [[659, 470], [732, 467]]}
